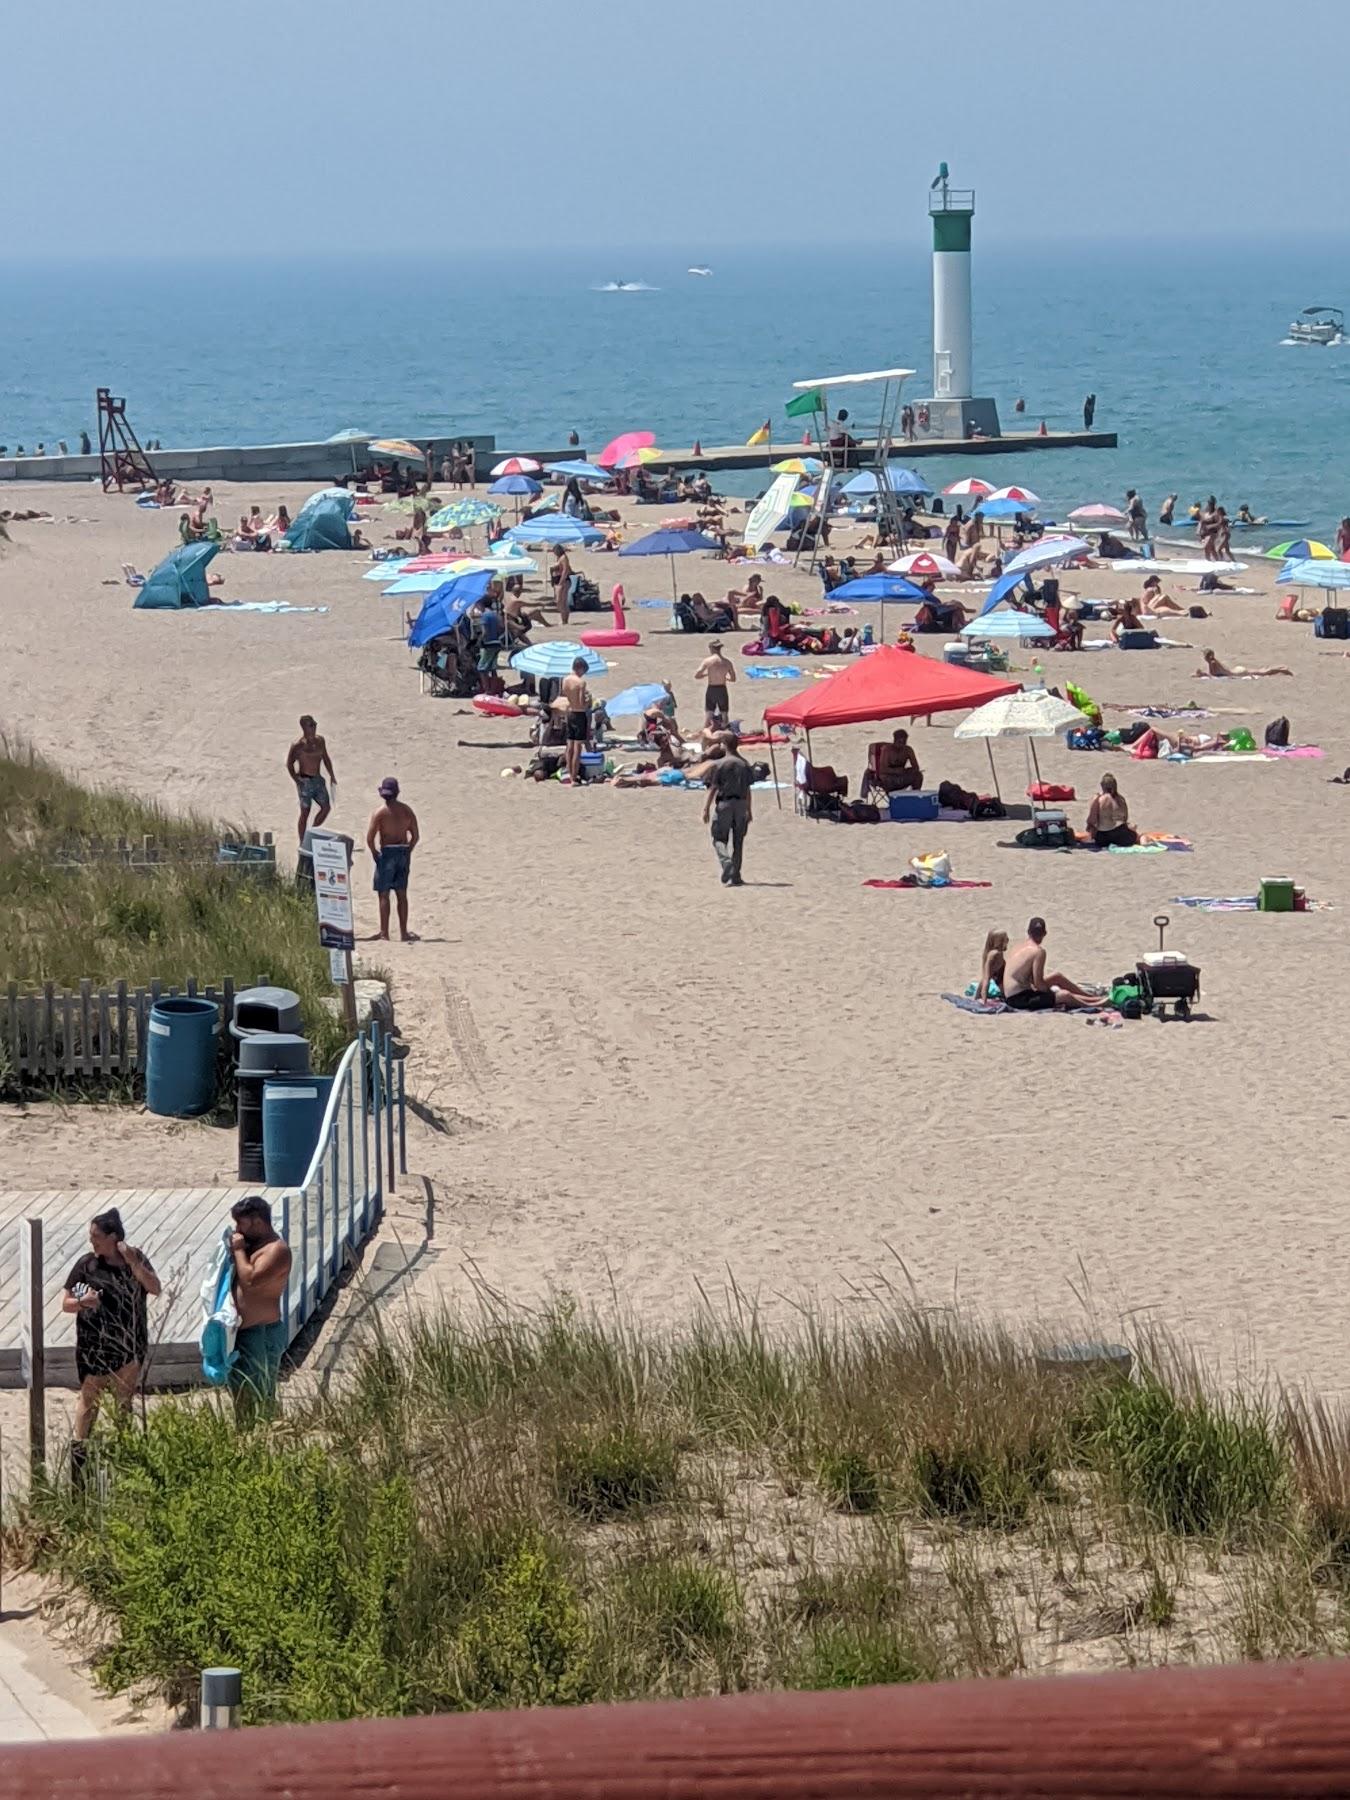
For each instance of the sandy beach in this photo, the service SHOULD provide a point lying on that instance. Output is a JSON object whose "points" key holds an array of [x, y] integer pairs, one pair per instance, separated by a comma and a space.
{"points": [[631, 1081]]}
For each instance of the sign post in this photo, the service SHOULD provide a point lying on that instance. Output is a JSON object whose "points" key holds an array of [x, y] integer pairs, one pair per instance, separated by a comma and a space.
{"points": [[332, 853]]}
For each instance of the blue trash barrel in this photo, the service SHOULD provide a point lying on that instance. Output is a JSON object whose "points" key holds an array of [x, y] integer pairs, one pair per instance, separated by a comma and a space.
{"points": [[292, 1112], [180, 1057]]}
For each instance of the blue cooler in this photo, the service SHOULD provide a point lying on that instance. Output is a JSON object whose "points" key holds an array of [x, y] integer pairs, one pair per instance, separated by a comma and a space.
{"points": [[917, 807], [592, 765]]}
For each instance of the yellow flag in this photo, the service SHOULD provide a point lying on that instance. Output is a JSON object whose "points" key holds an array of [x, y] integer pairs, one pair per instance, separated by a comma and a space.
{"points": [[761, 436]]}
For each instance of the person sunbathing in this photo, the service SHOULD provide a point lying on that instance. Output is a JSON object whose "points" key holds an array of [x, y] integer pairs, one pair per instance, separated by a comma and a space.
{"points": [[1156, 602], [1217, 671], [1029, 989]]}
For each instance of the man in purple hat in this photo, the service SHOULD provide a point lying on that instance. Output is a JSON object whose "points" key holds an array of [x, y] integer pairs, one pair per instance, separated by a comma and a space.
{"points": [[391, 838]]}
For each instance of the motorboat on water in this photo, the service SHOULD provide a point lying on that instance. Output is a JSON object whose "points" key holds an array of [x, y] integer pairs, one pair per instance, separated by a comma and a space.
{"points": [[698, 269], [625, 287], [1324, 325]]}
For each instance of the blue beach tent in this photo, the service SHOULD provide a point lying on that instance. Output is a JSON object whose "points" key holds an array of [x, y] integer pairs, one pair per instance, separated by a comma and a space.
{"points": [[180, 580], [321, 526]]}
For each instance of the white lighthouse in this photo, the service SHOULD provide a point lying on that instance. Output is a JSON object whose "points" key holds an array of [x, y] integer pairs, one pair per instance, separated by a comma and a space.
{"points": [[953, 410]]}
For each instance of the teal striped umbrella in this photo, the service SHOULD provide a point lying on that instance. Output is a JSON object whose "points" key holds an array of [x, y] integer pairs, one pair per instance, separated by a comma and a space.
{"points": [[462, 513]]}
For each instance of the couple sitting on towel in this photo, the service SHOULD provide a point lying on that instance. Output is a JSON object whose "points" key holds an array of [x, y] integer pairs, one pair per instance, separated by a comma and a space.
{"points": [[1018, 977]]}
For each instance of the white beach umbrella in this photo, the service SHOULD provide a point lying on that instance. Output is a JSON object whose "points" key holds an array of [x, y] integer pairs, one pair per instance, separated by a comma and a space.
{"points": [[1044, 552], [1022, 495], [1030, 713]]}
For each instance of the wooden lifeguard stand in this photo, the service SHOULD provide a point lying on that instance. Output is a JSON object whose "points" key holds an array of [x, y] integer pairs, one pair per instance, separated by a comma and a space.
{"points": [[122, 462]]}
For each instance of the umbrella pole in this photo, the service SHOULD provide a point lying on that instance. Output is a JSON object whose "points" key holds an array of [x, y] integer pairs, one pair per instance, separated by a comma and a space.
{"points": [[989, 751], [773, 763], [674, 583]]}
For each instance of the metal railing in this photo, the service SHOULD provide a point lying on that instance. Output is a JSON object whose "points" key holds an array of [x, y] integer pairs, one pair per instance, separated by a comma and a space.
{"points": [[341, 1199]]}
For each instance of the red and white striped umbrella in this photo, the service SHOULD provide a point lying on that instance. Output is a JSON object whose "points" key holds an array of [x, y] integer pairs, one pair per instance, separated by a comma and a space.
{"points": [[516, 465], [972, 488], [924, 562], [1023, 496]]}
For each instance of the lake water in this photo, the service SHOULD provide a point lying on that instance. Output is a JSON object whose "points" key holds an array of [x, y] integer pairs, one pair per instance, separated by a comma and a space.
{"points": [[1180, 345]]}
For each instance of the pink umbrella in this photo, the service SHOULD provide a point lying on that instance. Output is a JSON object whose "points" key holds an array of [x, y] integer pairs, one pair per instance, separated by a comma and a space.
{"points": [[1023, 496], [924, 562], [624, 445], [970, 489], [516, 465], [1098, 513]]}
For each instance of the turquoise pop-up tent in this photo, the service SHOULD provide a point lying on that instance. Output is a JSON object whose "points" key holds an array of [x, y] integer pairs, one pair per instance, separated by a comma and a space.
{"points": [[321, 526], [180, 580]]}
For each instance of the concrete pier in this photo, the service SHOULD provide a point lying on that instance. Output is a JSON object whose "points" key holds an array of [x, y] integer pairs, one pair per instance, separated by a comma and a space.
{"points": [[762, 456]]}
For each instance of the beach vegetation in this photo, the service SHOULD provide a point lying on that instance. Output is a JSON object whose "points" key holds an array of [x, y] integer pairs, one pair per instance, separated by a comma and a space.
{"points": [[67, 916], [499, 1507]]}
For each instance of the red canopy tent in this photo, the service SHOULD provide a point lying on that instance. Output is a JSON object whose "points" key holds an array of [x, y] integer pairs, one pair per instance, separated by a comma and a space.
{"points": [[887, 684]]}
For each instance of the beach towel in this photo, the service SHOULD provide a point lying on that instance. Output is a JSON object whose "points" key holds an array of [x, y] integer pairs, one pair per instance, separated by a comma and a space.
{"points": [[1151, 843], [990, 1009], [910, 881], [787, 674], [1253, 758], [651, 605], [1304, 752], [1166, 712], [1217, 902], [262, 606], [221, 1318]]}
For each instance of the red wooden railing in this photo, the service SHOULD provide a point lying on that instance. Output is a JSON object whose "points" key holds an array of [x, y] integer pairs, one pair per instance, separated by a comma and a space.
{"points": [[1280, 1729]]}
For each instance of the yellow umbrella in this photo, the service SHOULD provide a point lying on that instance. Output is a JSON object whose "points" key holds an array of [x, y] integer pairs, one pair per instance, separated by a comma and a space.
{"points": [[797, 465]]}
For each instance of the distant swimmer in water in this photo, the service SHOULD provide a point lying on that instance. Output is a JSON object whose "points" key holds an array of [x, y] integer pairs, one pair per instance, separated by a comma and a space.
{"points": [[1245, 516], [1166, 510], [1221, 672]]}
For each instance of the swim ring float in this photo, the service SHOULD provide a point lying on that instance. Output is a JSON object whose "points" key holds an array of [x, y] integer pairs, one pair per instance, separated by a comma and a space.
{"points": [[620, 638]]}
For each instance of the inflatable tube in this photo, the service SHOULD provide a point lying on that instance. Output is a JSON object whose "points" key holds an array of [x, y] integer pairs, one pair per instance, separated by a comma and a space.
{"points": [[496, 709], [610, 640]]}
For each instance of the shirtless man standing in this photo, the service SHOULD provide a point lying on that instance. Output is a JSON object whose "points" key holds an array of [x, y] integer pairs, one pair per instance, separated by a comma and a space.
{"points": [[717, 672], [578, 698], [306, 760], [391, 838], [1027, 987], [262, 1267]]}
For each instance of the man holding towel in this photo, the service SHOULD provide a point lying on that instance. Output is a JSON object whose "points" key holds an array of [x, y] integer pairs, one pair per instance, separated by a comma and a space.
{"points": [[391, 838]]}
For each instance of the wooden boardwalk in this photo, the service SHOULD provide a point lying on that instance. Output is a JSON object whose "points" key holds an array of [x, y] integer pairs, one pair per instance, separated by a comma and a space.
{"points": [[179, 1230]]}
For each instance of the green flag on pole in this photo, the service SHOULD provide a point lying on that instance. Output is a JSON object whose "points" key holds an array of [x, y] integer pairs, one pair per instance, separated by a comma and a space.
{"points": [[813, 402]]}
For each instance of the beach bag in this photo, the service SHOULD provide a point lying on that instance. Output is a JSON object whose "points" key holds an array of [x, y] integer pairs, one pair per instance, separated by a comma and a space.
{"points": [[1241, 739], [1146, 750], [1049, 790], [222, 1319], [988, 806], [1277, 733]]}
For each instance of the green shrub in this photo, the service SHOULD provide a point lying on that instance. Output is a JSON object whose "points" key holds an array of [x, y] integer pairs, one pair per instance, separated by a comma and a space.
{"points": [[1185, 1462], [527, 1642], [212, 1548], [864, 1655], [683, 1605], [977, 1484], [850, 1480], [605, 1471]]}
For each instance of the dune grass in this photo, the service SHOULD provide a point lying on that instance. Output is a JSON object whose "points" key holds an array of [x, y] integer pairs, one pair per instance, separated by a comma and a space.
{"points": [[106, 923], [501, 1507]]}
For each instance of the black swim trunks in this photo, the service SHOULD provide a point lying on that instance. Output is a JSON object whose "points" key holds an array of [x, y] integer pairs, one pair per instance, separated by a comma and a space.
{"points": [[578, 727], [717, 700], [1030, 1000]]}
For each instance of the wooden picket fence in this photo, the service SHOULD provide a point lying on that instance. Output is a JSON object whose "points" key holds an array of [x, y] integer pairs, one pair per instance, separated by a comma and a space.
{"points": [[253, 854], [58, 1034]]}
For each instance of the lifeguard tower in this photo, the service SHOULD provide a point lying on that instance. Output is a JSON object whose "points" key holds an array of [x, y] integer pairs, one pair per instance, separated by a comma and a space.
{"points": [[953, 410]]}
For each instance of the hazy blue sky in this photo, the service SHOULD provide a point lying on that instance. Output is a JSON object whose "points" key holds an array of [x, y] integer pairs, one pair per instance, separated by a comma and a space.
{"points": [[273, 126]]}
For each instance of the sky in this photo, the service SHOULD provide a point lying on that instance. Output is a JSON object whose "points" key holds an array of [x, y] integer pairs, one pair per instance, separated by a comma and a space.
{"points": [[275, 126]]}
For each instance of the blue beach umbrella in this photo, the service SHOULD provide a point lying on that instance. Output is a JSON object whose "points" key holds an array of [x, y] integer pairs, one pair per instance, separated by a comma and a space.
{"points": [[555, 659], [635, 700], [1020, 627], [583, 471], [1002, 509], [444, 609], [1044, 553], [672, 544], [516, 484], [1316, 574], [560, 530], [900, 481], [1004, 586], [877, 587]]}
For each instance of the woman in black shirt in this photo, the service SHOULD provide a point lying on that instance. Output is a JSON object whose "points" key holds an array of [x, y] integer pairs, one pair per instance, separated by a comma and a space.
{"points": [[107, 1291]]}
